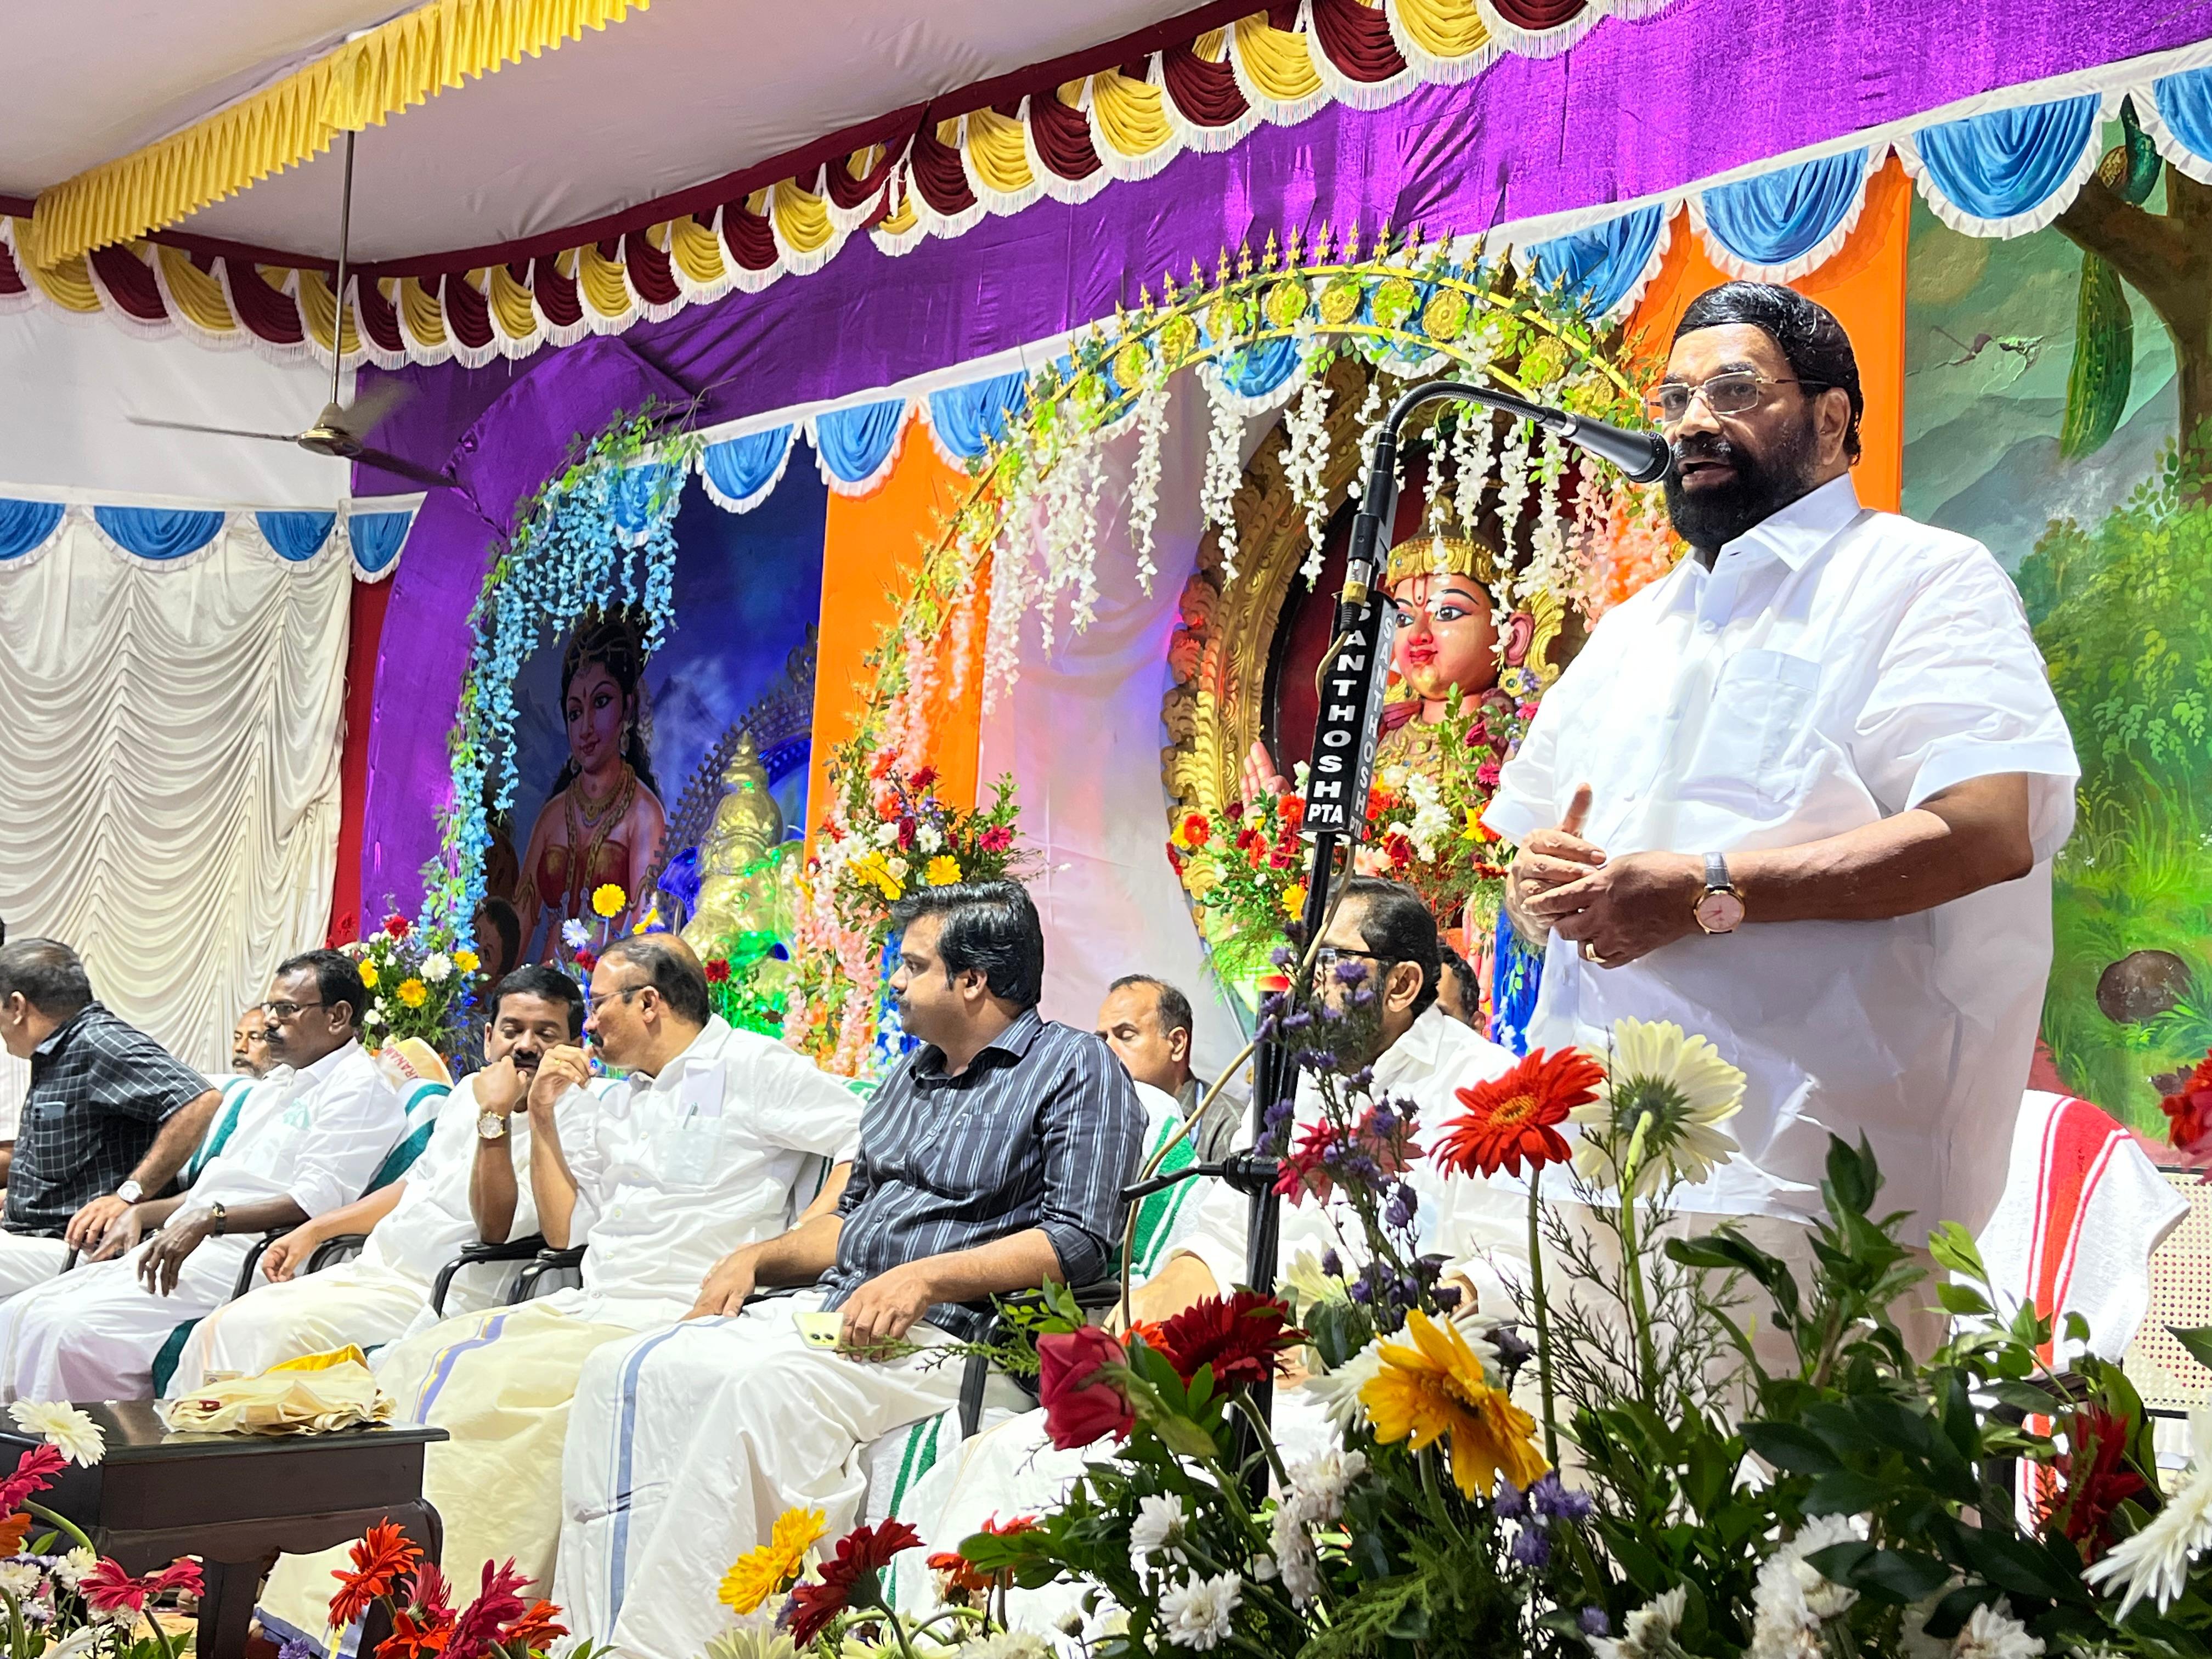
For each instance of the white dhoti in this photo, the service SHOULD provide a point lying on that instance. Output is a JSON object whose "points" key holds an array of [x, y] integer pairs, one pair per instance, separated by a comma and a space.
{"points": [[687, 1443], [94, 1332], [355, 1303], [29, 1259], [500, 1383]]}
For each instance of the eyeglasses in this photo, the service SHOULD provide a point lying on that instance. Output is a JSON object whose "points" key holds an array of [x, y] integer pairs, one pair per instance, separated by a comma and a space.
{"points": [[286, 1010], [1737, 393], [629, 991], [1326, 958]]}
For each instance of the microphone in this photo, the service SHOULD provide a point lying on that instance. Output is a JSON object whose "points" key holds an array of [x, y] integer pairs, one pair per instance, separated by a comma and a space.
{"points": [[1643, 456]]}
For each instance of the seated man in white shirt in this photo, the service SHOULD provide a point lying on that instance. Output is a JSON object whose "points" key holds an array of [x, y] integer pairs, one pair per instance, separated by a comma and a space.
{"points": [[417, 1223], [308, 1138], [699, 1151]]}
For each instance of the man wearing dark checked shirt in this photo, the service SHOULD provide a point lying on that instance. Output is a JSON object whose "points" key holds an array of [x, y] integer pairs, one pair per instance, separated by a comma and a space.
{"points": [[110, 1117], [991, 1160]]}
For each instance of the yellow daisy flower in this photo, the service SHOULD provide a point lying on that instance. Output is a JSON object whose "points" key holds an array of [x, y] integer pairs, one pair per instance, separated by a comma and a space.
{"points": [[944, 870], [761, 1571], [608, 899], [467, 961], [368, 970], [1437, 1390], [413, 992], [1293, 900]]}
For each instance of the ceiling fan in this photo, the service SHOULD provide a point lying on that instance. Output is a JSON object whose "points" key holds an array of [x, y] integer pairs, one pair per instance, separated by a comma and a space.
{"points": [[340, 431]]}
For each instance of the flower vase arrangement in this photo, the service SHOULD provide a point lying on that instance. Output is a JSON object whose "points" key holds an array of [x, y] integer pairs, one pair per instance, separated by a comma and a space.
{"points": [[417, 978], [387, 1568], [59, 1597], [889, 833], [1790, 1483]]}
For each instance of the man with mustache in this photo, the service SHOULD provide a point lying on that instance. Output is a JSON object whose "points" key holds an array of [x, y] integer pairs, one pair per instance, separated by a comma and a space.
{"points": [[416, 1225], [1801, 795]]}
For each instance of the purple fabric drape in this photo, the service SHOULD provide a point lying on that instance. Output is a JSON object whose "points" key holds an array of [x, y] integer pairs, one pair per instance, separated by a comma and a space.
{"points": [[1634, 109]]}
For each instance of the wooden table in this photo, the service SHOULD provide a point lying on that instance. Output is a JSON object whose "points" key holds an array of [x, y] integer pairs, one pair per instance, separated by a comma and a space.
{"points": [[237, 1501]]}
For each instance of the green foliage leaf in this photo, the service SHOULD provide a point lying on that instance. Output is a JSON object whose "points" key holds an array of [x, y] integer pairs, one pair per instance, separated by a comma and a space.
{"points": [[1954, 1247], [1791, 1446], [1853, 1178], [2197, 1342]]}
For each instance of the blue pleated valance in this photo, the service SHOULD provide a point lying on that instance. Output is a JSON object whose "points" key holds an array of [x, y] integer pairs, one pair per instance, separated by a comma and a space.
{"points": [[966, 419], [1782, 224], [740, 473], [2011, 171], [1605, 267], [856, 446], [159, 533], [25, 526], [296, 536]]}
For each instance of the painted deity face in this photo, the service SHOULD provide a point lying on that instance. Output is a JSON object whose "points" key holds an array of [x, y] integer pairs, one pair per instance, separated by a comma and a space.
{"points": [[1446, 636], [596, 711]]}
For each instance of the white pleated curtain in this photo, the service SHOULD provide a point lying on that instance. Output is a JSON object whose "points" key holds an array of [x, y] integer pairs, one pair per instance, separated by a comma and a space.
{"points": [[169, 743]]}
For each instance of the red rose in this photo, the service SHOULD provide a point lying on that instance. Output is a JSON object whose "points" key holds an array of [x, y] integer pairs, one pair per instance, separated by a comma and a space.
{"points": [[905, 834], [923, 778], [586, 960], [1076, 1409], [398, 926]]}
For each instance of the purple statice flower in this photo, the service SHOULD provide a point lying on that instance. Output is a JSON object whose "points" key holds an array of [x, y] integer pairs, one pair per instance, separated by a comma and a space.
{"points": [[1265, 1031], [1556, 1503], [1510, 1503], [1362, 996], [1277, 1116], [1382, 1121], [1284, 957], [1359, 1291], [1593, 1622], [1332, 1264], [1532, 1546], [1513, 1352], [1399, 1212], [1350, 970], [1446, 1297], [1298, 1021], [1295, 931], [299, 1648]]}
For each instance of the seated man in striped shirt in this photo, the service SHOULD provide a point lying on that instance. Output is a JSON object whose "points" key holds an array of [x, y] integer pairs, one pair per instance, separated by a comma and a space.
{"points": [[991, 1161]]}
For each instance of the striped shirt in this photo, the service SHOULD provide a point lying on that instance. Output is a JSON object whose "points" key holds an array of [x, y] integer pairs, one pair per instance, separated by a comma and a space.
{"points": [[1041, 1131]]}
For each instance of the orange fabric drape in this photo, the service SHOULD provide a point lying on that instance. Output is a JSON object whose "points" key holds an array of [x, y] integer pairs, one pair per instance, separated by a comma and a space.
{"points": [[871, 545], [1863, 284]]}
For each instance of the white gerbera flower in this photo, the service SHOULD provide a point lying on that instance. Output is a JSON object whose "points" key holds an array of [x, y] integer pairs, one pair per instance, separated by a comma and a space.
{"points": [[1338, 1390], [575, 934], [887, 834], [1197, 1614], [1647, 1632], [1680, 1088], [437, 967], [1158, 1526], [63, 1426], [2155, 1562], [1305, 1284], [929, 838], [1990, 1634]]}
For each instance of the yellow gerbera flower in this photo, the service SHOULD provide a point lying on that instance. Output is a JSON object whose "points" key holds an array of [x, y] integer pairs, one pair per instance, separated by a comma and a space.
{"points": [[1293, 900], [607, 899], [368, 970], [944, 870], [413, 992], [467, 961], [761, 1571], [1437, 1390]]}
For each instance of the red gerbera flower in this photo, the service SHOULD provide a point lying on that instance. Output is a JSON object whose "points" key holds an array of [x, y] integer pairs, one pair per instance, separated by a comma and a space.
{"points": [[424, 1625], [107, 1587], [848, 1578], [398, 926], [534, 1632], [2188, 1116], [496, 1606], [34, 1472], [718, 970], [1196, 832], [380, 1556], [996, 839], [2097, 1479], [1304, 1168], [960, 1573], [1239, 1336], [1292, 810], [1509, 1121]]}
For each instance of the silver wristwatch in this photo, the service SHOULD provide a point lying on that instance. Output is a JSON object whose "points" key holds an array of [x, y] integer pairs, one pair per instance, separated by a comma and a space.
{"points": [[490, 1125], [130, 1192]]}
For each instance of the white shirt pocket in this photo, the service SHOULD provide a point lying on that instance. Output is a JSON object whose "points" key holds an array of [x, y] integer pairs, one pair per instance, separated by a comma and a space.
{"points": [[1754, 741]]}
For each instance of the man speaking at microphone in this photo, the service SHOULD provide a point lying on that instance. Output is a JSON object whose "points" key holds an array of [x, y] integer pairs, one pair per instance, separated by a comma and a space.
{"points": [[1801, 795]]}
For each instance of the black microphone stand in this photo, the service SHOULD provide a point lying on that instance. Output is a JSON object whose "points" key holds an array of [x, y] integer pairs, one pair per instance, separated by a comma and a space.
{"points": [[1342, 766]]}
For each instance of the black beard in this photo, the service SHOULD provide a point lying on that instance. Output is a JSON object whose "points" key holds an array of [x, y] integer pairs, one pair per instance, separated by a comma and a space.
{"points": [[1763, 485]]}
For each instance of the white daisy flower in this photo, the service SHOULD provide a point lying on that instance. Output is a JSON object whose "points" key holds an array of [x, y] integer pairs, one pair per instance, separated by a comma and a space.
{"points": [[1320, 1482], [1158, 1526], [1990, 1634], [19, 1579], [437, 967], [1197, 1614], [1647, 1632], [63, 1426]]}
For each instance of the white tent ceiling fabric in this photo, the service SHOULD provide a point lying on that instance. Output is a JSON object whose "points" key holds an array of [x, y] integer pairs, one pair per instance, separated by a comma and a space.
{"points": [[171, 753], [74, 379], [679, 95]]}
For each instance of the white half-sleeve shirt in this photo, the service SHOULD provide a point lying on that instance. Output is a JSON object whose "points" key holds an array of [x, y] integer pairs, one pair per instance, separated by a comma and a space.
{"points": [[675, 1171], [1835, 667], [315, 1135]]}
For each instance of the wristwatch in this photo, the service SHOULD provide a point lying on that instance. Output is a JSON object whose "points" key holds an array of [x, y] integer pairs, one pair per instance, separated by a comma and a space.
{"points": [[1720, 907], [490, 1125], [218, 1216], [130, 1192]]}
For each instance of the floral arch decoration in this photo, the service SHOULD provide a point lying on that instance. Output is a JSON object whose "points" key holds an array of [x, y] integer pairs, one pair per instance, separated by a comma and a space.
{"points": [[1323, 327]]}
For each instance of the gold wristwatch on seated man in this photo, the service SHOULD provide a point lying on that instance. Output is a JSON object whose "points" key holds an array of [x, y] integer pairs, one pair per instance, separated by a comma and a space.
{"points": [[1720, 907]]}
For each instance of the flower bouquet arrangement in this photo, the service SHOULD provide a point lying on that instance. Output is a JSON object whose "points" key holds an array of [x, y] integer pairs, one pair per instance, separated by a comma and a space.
{"points": [[418, 977], [387, 1569], [59, 1597], [582, 941], [888, 833]]}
